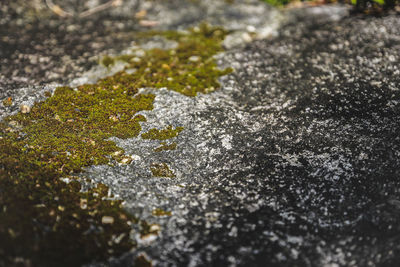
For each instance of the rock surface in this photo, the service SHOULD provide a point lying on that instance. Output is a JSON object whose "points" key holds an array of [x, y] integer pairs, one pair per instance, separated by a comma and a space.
{"points": [[293, 162]]}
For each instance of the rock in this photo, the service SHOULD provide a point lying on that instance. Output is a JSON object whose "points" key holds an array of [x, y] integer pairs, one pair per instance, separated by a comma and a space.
{"points": [[107, 220], [292, 162], [194, 58]]}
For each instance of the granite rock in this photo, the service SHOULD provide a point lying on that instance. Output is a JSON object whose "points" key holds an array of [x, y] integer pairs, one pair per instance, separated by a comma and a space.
{"points": [[293, 162]]}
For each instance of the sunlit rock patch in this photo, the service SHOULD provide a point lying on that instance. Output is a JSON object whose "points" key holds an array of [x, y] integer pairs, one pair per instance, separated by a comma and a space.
{"points": [[46, 219]]}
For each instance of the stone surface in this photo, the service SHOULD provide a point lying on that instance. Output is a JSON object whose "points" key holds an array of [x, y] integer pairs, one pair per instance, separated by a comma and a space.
{"points": [[39, 48], [293, 162]]}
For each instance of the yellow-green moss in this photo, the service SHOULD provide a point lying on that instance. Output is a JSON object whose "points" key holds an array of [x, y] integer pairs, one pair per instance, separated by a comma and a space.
{"points": [[164, 147], [7, 102], [188, 69], [45, 221], [163, 134], [107, 61], [73, 126], [161, 170], [161, 212]]}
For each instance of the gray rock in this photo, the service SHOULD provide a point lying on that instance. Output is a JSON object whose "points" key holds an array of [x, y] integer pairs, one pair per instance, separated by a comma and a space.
{"points": [[38, 47], [293, 162]]}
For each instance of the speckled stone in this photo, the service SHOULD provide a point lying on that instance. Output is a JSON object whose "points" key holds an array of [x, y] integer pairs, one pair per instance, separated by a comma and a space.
{"points": [[293, 162], [40, 49]]}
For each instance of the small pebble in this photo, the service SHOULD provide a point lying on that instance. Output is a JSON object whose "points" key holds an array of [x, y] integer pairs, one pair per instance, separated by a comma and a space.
{"points": [[83, 203], [246, 37], [194, 58], [126, 160], [136, 59], [148, 23], [107, 220], [25, 109], [113, 118], [118, 153], [251, 28], [155, 228]]}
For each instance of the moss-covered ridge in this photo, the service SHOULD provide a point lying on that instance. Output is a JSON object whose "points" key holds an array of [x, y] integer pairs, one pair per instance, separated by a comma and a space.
{"points": [[71, 128], [188, 69], [162, 134], [45, 221]]}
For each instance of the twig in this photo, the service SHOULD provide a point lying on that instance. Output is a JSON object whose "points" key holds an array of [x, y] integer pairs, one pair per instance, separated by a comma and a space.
{"points": [[62, 13], [99, 8], [57, 9]]}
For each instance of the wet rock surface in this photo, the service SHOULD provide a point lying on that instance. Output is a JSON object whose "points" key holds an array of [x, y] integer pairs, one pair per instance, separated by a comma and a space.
{"points": [[293, 162]]}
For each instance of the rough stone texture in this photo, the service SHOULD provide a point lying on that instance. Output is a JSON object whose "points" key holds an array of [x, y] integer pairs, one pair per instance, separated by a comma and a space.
{"points": [[39, 48], [294, 162]]}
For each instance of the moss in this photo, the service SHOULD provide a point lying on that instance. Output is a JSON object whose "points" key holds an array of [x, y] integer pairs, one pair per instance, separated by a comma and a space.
{"points": [[48, 222], [7, 102], [364, 6], [161, 170], [163, 134], [188, 69], [278, 3], [73, 126], [107, 61], [147, 229], [161, 212], [375, 7], [142, 261], [164, 147], [43, 218]]}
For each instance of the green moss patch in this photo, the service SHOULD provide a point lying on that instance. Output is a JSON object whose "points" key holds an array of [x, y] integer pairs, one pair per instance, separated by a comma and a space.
{"points": [[45, 221], [164, 147], [161, 170], [188, 69], [161, 212], [107, 61], [71, 128], [278, 2], [7, 102], [163, 134]]}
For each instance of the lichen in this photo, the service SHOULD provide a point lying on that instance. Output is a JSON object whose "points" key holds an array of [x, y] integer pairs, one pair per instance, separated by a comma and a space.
{"points": [[163, 134], [161, 170], [165, 146]]}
